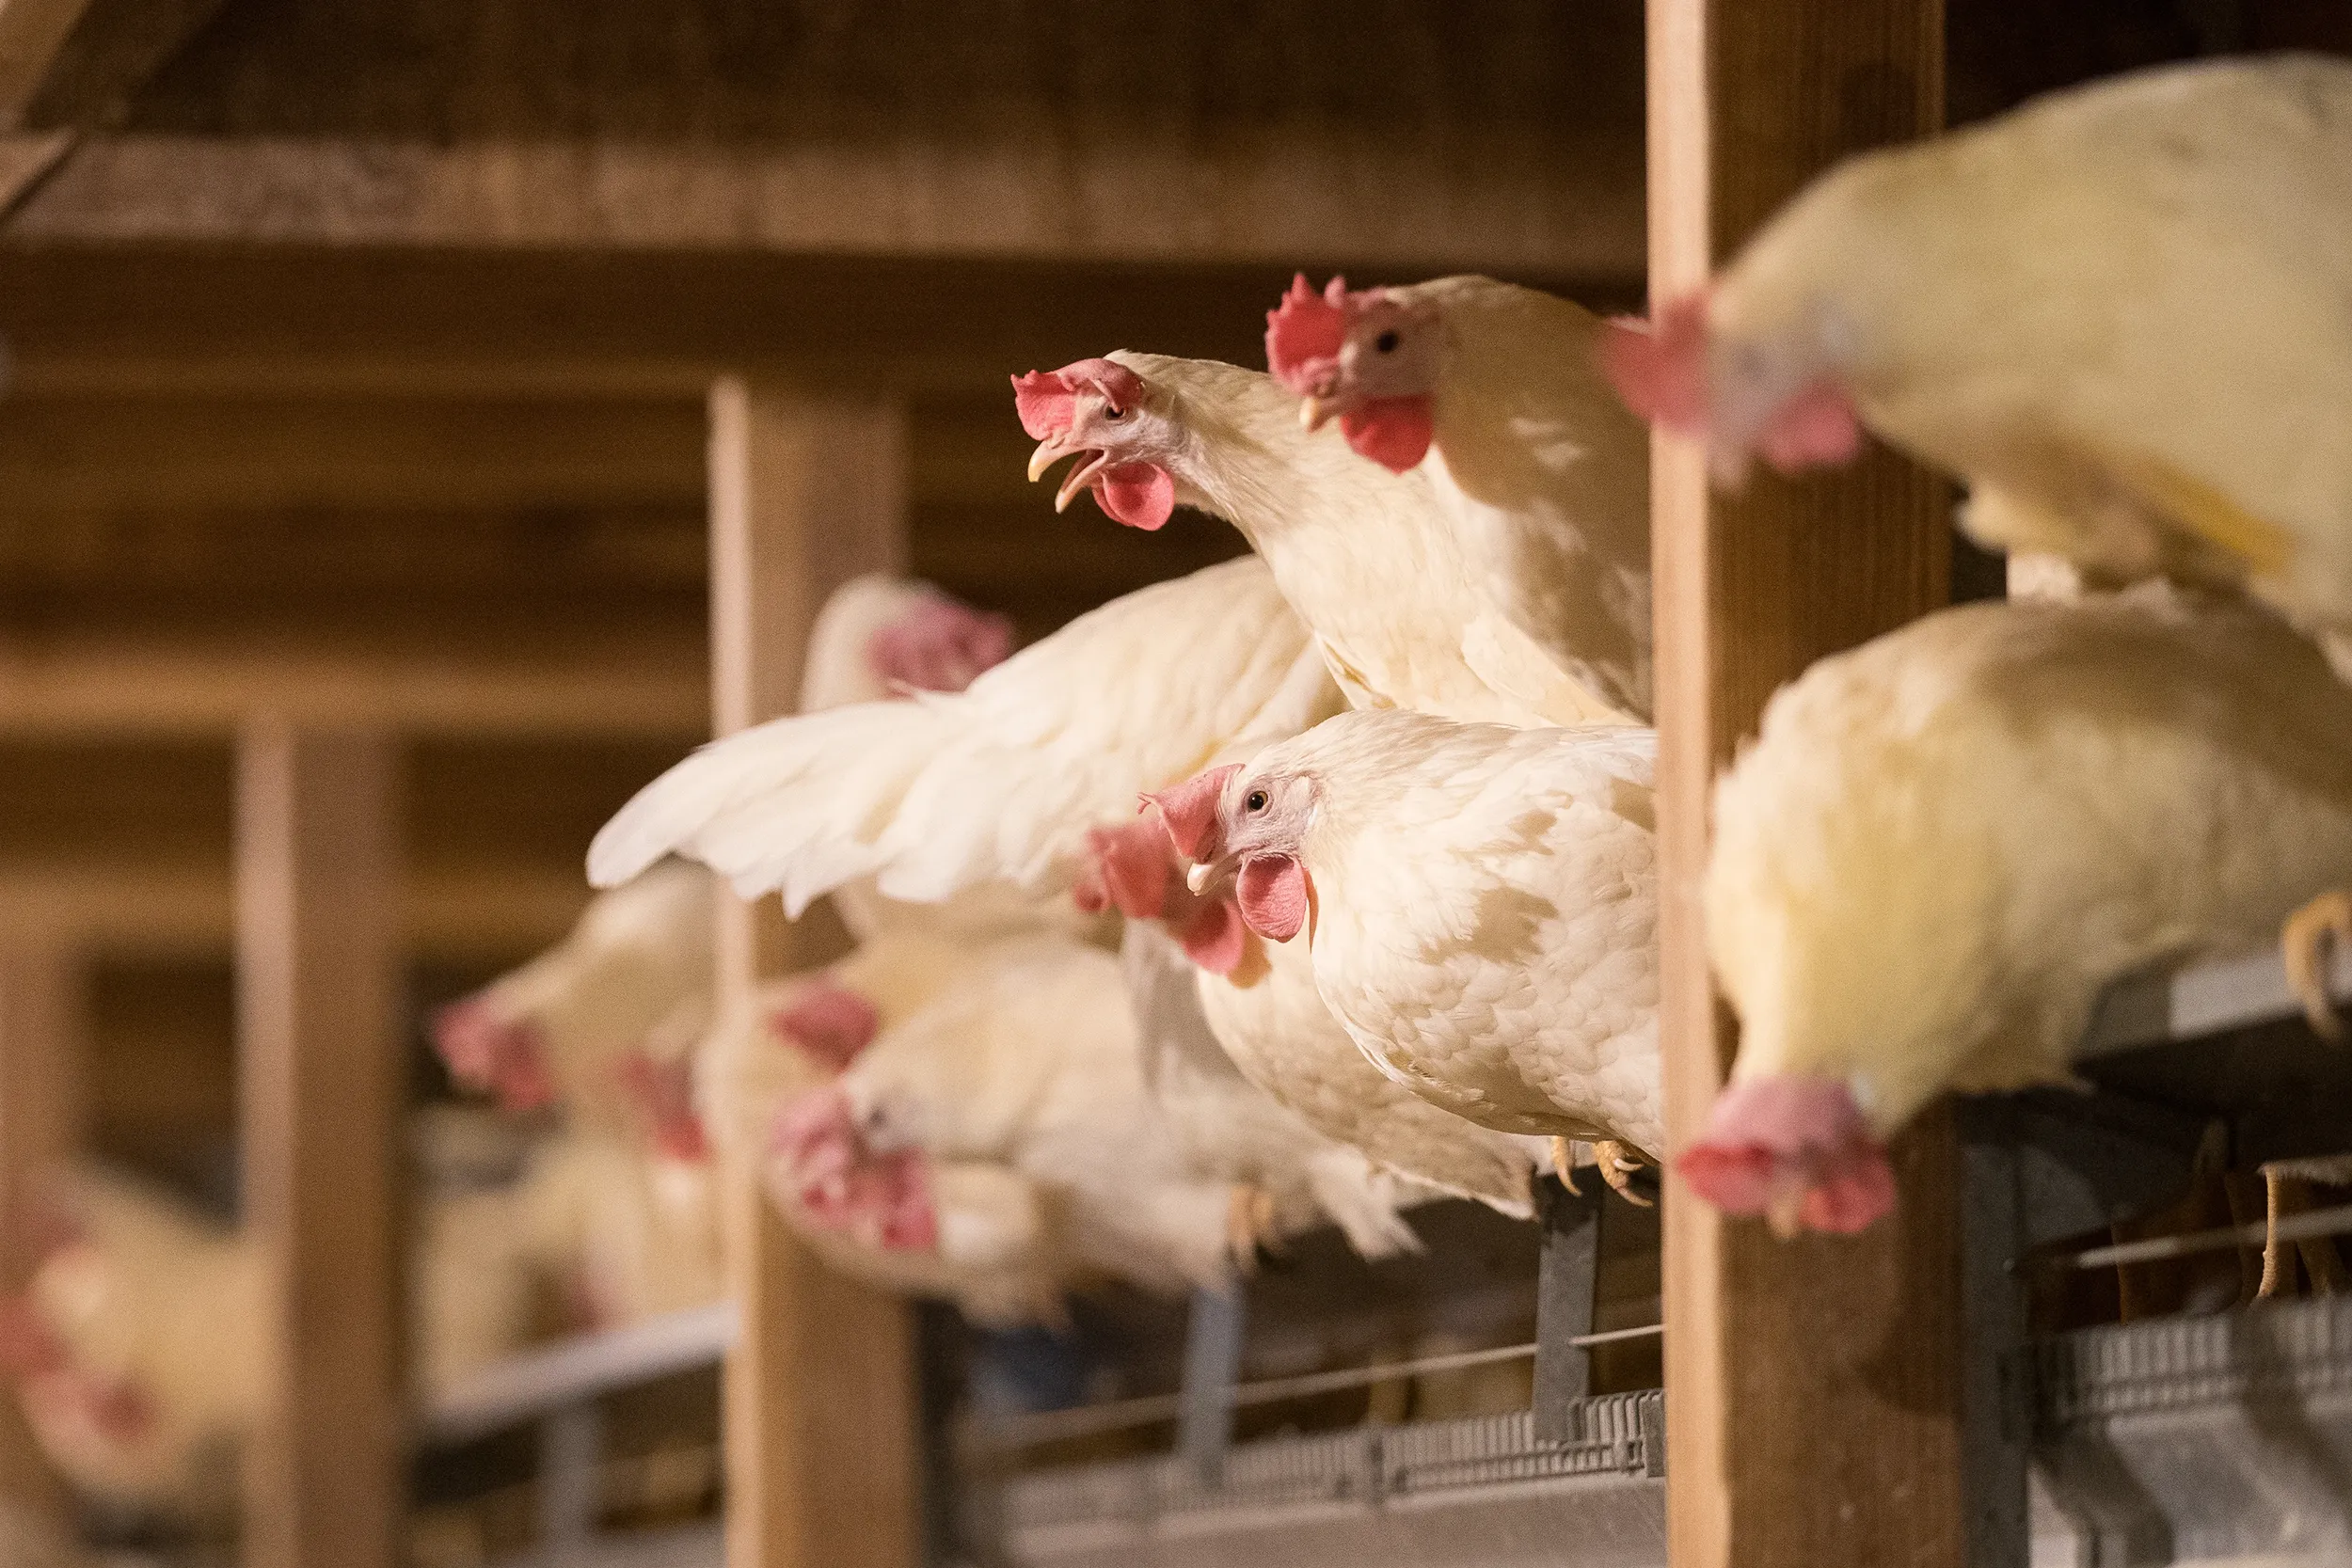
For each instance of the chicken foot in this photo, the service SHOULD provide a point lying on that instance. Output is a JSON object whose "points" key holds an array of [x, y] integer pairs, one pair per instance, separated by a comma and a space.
{"points": [[2304, 943], [1615, 1160]]}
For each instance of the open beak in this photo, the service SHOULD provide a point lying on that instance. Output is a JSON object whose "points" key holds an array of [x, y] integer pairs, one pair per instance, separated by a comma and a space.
{"points": [[1052, 450]]}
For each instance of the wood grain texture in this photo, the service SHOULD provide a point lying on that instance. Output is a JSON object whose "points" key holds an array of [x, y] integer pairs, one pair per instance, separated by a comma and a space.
{"points": [[43, 1126], [1414, 132], [1813, 1386], [806, 491], [321, 1092], [1306, 198]]}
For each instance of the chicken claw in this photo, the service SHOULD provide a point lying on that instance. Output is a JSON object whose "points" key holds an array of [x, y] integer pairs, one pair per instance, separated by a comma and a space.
{"points": [[1249, 1224], [1617, 1164], [1564, 1163], [2304, 942]]}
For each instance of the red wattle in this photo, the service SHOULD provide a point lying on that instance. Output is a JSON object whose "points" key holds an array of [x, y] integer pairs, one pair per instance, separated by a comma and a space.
{"points": [[1215, 938], [1394, 433], [1140, 495], [1272, 892]]}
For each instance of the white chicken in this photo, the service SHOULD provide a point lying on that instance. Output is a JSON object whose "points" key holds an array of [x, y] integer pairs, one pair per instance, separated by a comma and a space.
{"points": [[1493, 390], [1033, 1063], [997, 1255], [603, 1020], [1398, 601], [1480, 904], [2116, 312], [573, 1026], [999, 784], [1946, 843], [1260, 1001], [137, 1348], [1285, 1177]]}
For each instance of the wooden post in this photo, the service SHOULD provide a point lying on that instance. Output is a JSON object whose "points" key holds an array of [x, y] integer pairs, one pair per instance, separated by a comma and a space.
{"points": [[42, 1124], [805, 492], [1813, 1387], [321, 1090]]}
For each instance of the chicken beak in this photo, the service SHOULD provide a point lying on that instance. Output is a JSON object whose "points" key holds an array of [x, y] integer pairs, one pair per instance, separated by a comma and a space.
{"points": [[1049, 451], [1078, 478], [1784, 1214], [1198, 877], [1315, 412]]}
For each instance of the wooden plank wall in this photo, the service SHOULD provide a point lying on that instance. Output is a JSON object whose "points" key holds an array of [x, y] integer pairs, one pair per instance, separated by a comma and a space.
{"points": [[820, 1438], [1813, 1386], [322, 1092]]}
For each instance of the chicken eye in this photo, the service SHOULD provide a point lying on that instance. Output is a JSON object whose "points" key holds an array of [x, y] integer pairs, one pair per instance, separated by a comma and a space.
{"points": [[1114, 413], [1387, 342], [1256, 800]]}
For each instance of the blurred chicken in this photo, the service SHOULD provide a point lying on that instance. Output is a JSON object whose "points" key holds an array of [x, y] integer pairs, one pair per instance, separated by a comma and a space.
{"points": [[1480, 904], [1397, 599], [1948, 841], [137, 1348], [1260, 1003], [1531, 454], [2116, 312], [1034, 1063], [567, 1025], [998, 1255], [1285, 1177], [998, 785], [603, 1020]]}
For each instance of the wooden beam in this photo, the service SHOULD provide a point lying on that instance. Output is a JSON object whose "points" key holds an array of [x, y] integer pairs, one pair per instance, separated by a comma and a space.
{"points": [[1813, 1387], [59, 689], [31, 33], [320, 1088], [151, 911], [43, 1124], [287, 453], [257, 321], [1484, 198], [819, 1393]]}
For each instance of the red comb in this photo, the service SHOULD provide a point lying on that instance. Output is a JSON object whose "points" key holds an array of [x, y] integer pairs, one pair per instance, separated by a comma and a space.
{"points": [[1047, 400], [1189, 809], [1304, 333], [1659, 366]]}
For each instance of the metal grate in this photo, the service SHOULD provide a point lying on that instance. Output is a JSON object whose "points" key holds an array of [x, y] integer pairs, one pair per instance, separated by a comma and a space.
{"points": [[2289, 1350], [1618, 1437]]}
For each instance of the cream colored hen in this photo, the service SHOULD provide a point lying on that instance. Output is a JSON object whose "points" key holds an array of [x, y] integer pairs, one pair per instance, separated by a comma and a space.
{"points": [[2116, 312], [137, 1348], [1260, 1003], [1480, 904], [1492, 390], [1034, 1063], [1398, 601], [998, 1254], [1946, 843]]}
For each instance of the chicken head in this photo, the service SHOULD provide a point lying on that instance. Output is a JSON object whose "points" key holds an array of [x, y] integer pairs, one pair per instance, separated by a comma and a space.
{"points": [[936, 643], [1364, 358], [487, 1048], [1251, 828], [1779, 402], [1797, 1150], [1101, 413], [840, 1181]]}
